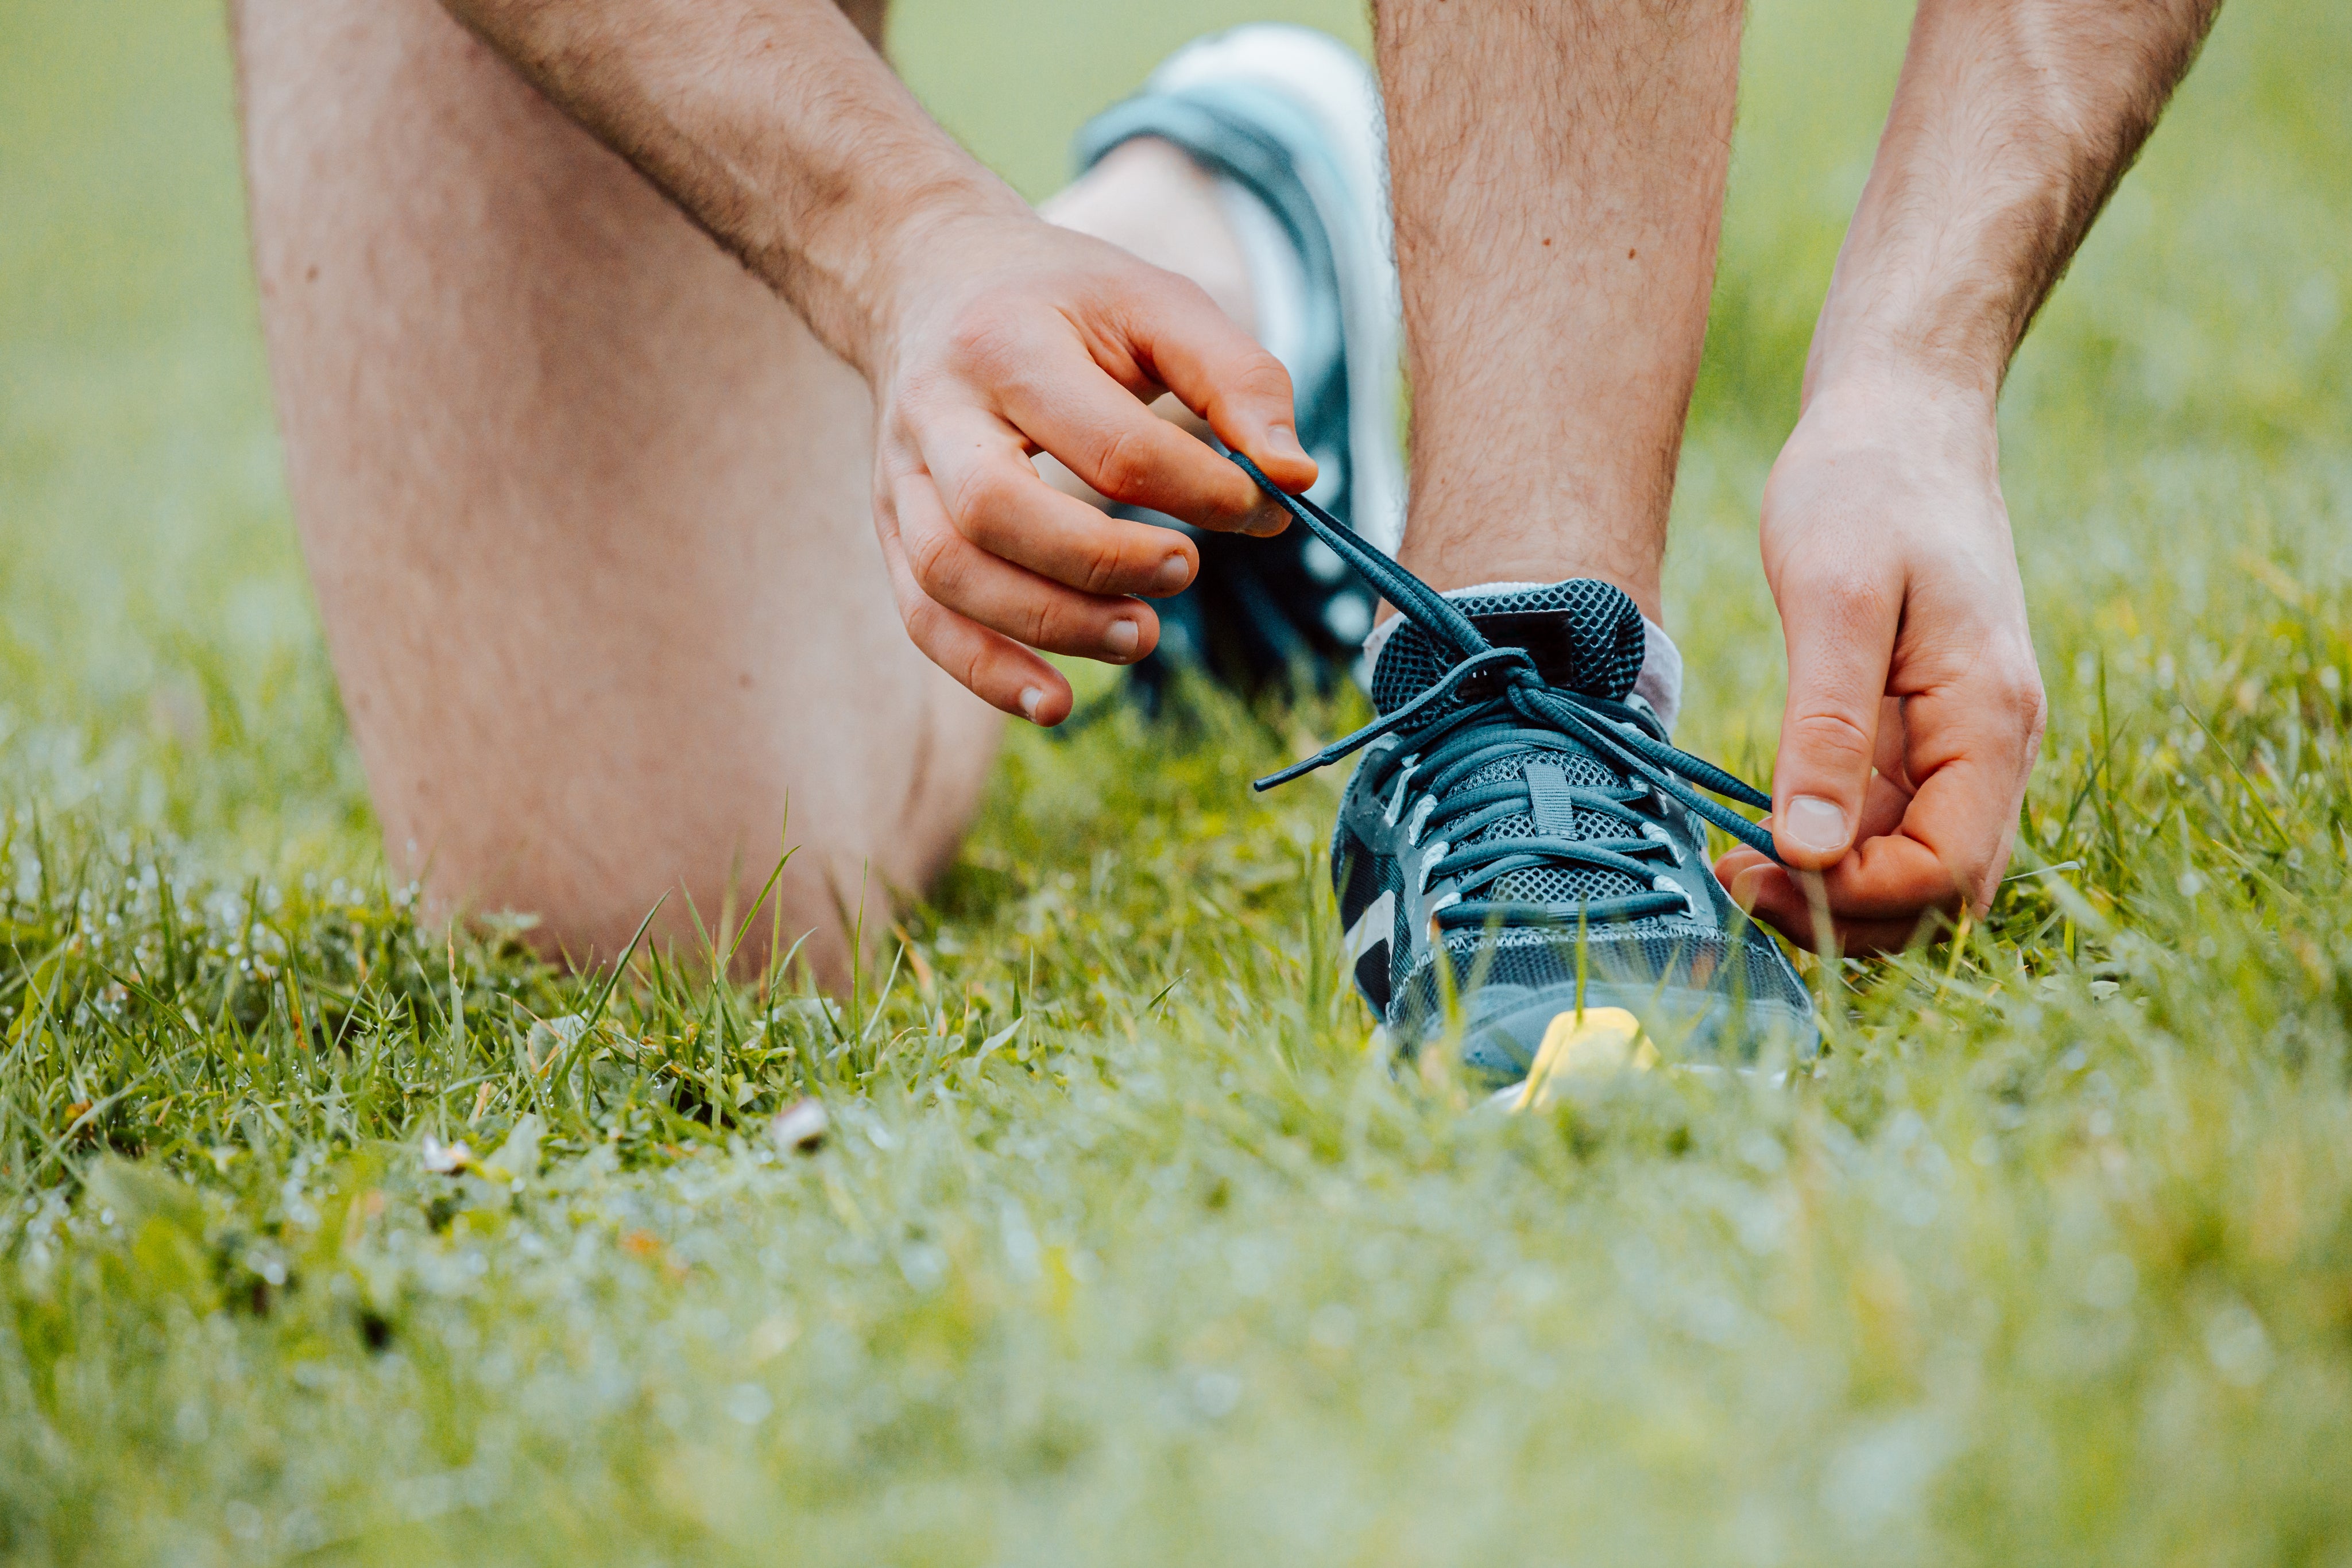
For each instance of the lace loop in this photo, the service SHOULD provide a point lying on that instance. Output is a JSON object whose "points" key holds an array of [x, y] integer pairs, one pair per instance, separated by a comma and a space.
{"points": [[1435, 697]]}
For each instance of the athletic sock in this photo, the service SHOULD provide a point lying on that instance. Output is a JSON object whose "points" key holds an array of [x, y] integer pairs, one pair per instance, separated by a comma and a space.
{"points": [[1660, 683]]}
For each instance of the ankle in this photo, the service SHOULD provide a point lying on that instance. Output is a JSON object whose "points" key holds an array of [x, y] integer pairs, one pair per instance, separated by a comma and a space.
{"points": [[1481, 567]]}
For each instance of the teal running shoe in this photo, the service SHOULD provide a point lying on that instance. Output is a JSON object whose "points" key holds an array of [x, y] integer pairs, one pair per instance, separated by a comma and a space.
{"points": [[1521, 846], [1289, 121]]}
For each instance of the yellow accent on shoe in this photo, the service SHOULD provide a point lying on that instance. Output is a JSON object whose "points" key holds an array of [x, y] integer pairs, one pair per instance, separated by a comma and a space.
{"points": [[1599, 1041]]}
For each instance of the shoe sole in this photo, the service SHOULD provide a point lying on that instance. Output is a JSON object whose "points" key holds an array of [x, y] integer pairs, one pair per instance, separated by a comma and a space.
{"points": [[1507, 1038]]}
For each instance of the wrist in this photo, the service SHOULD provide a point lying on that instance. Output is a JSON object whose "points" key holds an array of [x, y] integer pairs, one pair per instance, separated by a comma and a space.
{"points": [[880, 254], [945, 245], [1934, 422], [1888, 384], [1909, 309], [1940, 362]]}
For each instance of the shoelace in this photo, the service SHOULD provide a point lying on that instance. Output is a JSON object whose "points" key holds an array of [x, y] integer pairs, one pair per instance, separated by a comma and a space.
{"points": [[1493, 702]]}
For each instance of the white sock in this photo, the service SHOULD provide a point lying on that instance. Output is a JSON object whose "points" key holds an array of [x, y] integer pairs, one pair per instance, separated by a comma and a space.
{"points": [[1660, 683]]}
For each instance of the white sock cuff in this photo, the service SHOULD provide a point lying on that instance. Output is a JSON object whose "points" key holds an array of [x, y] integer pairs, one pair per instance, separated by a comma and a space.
{"points": [[1660, 683]]}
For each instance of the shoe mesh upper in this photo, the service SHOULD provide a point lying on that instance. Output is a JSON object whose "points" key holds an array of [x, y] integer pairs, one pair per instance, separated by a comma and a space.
{"points": [[1551, 884], [1651, 956], [1595, 645], [1590, 626], [1589, 637]]}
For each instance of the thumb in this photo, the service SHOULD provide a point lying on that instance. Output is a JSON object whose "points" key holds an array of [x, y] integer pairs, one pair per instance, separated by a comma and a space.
{"points": [[1841, 637]]}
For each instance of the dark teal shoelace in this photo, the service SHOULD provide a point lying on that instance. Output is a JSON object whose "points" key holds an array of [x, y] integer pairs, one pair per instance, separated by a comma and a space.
{"points": [[1492, 702], [1433, 764]]}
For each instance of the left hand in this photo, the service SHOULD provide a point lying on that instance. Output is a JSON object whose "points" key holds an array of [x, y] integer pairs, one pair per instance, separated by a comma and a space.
{"points": [[1915, 705], [999, 336]]}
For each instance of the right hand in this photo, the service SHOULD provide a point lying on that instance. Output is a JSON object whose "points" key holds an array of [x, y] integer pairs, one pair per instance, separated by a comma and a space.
{"points": [[1915, 709], [1024, 337]]}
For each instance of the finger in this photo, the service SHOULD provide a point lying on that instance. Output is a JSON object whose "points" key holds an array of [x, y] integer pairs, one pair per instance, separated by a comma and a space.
{"points": [[1841, 631], [998, 501], [1970, 744], [1776, 899], [996, 668], [961, 577], [1892, 759], [1883, 805], [1896, 877], [1222, 375], [1069, 405], [1951, 849]]}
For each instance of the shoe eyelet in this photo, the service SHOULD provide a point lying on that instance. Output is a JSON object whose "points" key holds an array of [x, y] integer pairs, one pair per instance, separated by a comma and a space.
{"points": [[1437, 851], [1403, 783], [1421, 811], [1668, 884], [1656, 834]]}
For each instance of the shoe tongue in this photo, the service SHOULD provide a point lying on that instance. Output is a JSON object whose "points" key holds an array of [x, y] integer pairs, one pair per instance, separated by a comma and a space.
{"points": [[1586, 635]]}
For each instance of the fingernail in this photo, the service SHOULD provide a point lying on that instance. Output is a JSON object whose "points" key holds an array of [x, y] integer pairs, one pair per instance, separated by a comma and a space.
{"points": [[1122, 637], [1748, 887], [1283, 442], [1175, 573], [1030, 697], [1813, 823]]}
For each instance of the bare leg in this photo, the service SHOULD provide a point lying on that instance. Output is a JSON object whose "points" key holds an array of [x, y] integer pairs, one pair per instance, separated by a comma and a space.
{"points": [[1558, 171], [587, 508], [585, 505]]}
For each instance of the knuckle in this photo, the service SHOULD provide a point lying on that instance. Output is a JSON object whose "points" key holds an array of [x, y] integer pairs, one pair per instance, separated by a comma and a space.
{"points": [[1839, 587], [920, 617], [1822, 731], [984, 335], [1103, 567], [2020, 690], [974, 670], [1123, 469], [1039, 624], [936, 561], [1156, 303], [1262, 379], [987, 494], [2013, 689]]}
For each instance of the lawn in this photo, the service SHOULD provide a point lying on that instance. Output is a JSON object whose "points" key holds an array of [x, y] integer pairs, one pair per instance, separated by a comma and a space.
{"points": [[1120, 1249]]}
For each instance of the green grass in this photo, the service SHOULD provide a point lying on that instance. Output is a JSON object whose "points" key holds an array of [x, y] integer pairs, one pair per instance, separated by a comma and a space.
{"points": [[1121, 1250]]}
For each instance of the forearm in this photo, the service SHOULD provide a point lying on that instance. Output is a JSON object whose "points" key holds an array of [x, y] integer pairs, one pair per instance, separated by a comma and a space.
{"points": [[771, 123], [2011, 124]]}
